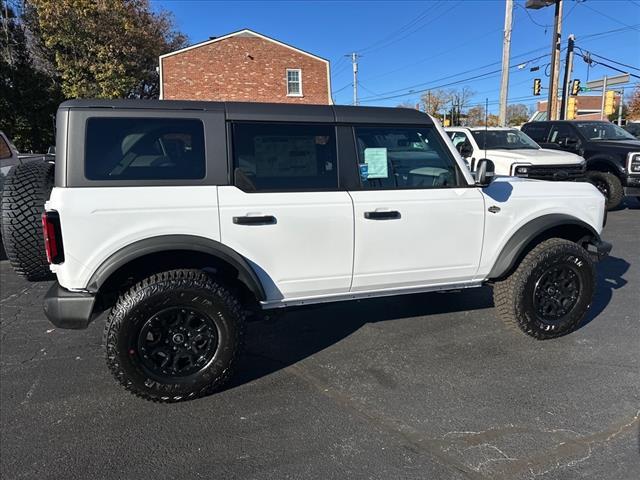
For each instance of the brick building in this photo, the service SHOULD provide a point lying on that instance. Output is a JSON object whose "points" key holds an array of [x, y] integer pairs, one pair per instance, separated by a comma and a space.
{"points": [[588, 107], [245, 66]]}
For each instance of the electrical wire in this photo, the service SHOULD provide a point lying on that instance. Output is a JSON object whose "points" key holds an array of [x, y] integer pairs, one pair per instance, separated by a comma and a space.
{"points": [[610, 17], [402, 29]]}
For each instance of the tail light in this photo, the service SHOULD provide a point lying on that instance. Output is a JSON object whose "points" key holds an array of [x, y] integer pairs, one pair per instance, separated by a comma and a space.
{"points": [[52, 237]]}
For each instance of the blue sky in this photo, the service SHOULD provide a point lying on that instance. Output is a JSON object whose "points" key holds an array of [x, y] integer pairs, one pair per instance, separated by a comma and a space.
{"points": [[425, 44]]}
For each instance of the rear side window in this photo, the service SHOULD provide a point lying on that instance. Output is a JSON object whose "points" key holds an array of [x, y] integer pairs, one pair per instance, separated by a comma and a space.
{"points": [[404, 157], [281, 157], [144, 149], [536, 130]]}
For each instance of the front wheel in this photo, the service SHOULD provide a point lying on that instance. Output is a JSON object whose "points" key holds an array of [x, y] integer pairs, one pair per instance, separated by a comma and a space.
{"points": [[609, 185], [549, 293], [174, 336]]}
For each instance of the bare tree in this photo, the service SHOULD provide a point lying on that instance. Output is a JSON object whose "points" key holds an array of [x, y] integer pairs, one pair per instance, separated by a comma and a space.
{"points": [[435, 101]]}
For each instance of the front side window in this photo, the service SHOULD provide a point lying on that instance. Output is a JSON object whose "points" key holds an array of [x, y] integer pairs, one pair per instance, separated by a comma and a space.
{"points": [[281, 157], [404, 157], [144, 149], [560, 133], [294, 82]]}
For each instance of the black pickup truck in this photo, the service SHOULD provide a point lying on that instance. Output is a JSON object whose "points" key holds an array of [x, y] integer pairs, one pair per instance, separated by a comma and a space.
{"points": [[612, 154]]}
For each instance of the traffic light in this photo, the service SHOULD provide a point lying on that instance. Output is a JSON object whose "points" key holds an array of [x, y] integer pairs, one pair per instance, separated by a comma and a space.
{"points": [[537, 86], [609, 102], [575, 87], [572, 108]]}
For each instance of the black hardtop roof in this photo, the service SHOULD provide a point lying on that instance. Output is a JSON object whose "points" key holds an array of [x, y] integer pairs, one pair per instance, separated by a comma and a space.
{"points": [[274, 112]]}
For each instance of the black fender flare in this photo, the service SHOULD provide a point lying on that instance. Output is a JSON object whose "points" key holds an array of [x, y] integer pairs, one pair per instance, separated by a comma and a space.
{"points": [[608, 160], [516, 245], [246, 274]]}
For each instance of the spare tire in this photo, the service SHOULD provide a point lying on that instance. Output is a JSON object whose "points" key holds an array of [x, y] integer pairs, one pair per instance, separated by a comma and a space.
{"points": [[26, 189]]}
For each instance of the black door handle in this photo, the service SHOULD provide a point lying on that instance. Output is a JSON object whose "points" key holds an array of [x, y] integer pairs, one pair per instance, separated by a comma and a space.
{"points": [[257, 220], [383, 215]]}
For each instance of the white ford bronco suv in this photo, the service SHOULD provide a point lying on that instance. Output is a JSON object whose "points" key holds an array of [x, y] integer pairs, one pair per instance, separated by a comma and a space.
{"points": [[514, 153], [173, 220]]}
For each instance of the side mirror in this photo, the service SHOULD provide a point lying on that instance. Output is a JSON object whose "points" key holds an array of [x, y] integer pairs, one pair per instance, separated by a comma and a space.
{"points": [[485, 171], [569, 142], [465, 149]]}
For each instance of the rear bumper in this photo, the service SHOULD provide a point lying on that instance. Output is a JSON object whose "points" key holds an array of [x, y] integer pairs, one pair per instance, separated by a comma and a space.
{"points": [[67, 309]]}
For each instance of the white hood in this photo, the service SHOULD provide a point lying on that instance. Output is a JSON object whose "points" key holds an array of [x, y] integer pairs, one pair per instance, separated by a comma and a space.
{"points": [[542, 156]]}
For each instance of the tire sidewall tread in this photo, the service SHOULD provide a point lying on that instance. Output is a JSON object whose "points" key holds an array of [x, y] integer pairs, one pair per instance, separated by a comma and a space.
{"points": [[512, 296], [122, 323]]}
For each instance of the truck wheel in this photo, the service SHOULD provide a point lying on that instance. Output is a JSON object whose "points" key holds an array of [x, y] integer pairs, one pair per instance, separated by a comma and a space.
{"points": [[609, 185], [26, 189], [174, 336], [550, 291]]}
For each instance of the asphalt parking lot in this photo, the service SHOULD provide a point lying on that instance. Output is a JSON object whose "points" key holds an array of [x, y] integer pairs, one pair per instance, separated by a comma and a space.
{"points": [[426, 386]]}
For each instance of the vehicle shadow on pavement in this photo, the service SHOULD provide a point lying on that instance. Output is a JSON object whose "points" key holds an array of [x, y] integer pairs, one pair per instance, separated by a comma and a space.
{"points": [[610, 273], [300, 333]]}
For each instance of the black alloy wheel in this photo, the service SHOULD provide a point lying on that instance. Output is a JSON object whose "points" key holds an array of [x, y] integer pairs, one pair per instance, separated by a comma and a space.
{"points": [[556, 293], [174, 336], [177, 342]]}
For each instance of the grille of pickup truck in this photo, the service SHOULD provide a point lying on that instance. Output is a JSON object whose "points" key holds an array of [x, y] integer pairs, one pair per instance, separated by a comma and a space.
{"points": [[556, 172]]}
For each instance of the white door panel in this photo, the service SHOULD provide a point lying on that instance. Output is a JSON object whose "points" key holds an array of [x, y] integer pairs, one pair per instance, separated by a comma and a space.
{"points": [[437, 237], [306, 250]]}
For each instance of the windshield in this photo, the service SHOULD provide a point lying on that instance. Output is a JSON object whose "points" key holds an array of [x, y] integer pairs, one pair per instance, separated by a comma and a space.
{"points": [[603, 131], [504, 140]]}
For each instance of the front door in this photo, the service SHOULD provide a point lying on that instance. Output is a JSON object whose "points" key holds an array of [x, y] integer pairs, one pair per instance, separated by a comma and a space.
{"points": [[417, 222], [284, 212]]}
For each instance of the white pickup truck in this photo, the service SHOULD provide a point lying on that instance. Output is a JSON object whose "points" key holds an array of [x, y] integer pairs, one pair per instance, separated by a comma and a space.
{"points": [[514, 153]]}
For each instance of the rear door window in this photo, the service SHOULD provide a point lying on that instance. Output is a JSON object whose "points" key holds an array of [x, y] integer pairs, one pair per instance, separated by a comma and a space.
{"points": [[144, 149], [284, 157], [537, 130]]}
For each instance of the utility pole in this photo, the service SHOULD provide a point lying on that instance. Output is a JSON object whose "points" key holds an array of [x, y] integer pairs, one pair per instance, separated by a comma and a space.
{"points": [[568, 68], [354, 62], [506, 51], [604, 96], [554, 77], [620, 107]]}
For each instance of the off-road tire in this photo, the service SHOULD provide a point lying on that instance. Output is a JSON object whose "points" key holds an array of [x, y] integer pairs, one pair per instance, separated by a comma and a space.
{"points": [[26, 189], [514, 296], [614, 192], [182, 289]]}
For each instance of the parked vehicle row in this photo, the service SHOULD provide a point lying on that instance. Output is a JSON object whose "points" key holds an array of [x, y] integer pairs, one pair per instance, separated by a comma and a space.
{"points": [[595, 151], [612, 154]]}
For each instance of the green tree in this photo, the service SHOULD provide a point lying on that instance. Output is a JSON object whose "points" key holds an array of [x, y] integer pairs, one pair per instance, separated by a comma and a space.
{"points": [[29, 96], [105, 48]]}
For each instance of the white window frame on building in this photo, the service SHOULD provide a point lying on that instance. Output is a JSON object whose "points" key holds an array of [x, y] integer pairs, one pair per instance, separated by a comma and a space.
{"points": [[289, 82]]}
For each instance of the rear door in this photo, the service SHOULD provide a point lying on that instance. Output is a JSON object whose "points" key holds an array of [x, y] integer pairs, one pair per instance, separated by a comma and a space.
{"points": [[285, 212], [417, 221]]}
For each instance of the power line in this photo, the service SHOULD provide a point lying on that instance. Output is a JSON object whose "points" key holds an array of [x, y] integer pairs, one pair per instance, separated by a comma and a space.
{"points": [[609, 17], [424, 59], [614, 61], [455, 5], [452, 76], [402, 29]]}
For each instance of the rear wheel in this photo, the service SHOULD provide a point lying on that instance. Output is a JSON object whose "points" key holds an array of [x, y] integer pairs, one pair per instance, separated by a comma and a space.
{"points": [[609, 185], [26, 190], [174, 336], [549, 293]]}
